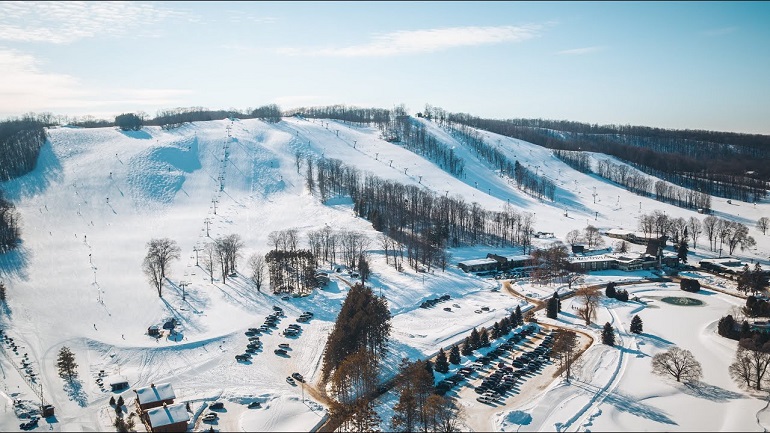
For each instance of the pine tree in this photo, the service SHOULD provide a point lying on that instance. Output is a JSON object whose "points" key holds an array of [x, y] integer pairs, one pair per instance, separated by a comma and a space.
{"points": [[610, 291], [442, 365], [483, 337], [475, 339], [608, 335], [454, 355], [552, 309], [120, 401], [467, 349], [495, 332], [429, 367], [519, 317], [682, 250], [636, 325], [2, 292], [66, 363], [112, 401]]}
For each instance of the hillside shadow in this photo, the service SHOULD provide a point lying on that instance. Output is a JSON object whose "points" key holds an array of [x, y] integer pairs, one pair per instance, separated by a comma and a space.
{"points": [[47, 170], [14, 263], [140, 134]]}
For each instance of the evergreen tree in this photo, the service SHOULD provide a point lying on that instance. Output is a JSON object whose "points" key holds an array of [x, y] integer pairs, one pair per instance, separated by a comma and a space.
{"points": [[519, 317], [552, 308], [442, 365], [483, 337], [2, 292], [608, 334], [726, 327], [120, 401], [475, 339], [495, 332], [558, 301], [363, 268], [745, 330], [610, 291], [467, 347], [682, 250], [429, 368], [364, 417], [621, 295], [454, 355], [112, 401], [66, 363], [636, 324]]}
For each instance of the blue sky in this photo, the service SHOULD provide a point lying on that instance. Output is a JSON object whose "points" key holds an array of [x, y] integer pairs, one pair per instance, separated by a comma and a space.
{"points": [[701, 65]]}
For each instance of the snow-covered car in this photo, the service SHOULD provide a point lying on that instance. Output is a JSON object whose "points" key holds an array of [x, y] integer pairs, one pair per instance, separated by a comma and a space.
{"points": [[209, 417], [290, 380]]}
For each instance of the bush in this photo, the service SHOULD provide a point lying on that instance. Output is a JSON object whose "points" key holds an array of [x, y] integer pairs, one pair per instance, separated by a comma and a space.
{"points": [[689, 285], [129, 121]]}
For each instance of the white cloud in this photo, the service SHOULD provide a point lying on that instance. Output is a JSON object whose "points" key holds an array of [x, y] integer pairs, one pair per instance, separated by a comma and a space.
{"points": [[581, 51], [66, 22], [424, 41], [25, 87]]}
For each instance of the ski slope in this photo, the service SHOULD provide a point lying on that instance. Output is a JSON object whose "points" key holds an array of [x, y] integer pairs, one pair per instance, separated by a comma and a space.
{"points": [[99, 195]]}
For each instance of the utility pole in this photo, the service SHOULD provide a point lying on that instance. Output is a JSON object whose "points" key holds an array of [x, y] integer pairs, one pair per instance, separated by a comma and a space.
{"points": [[214, 201], [207, 221], [195, 248]]}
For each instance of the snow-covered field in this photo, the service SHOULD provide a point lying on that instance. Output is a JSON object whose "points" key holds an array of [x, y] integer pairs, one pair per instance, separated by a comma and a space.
{"points": [[98, 196]]}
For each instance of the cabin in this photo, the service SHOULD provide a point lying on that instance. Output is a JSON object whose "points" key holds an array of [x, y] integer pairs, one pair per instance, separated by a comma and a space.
{"points": [[626, 235], [154, 396], [167, 418], [727, 265], [478, 265], [598, 262]]}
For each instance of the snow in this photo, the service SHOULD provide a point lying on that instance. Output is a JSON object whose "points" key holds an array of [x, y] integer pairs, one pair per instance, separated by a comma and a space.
{"points": [[168, 414], [99, 195]]}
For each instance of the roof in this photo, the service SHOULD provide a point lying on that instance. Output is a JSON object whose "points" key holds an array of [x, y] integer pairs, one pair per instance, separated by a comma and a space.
{"points": [[519, 258], [169, 414], [159, 392], [474, 262], [116, 379]]}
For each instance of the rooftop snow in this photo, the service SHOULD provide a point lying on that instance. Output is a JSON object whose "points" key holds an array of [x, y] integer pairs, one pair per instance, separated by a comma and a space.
{"points": [[166, 415], [159, 392]]}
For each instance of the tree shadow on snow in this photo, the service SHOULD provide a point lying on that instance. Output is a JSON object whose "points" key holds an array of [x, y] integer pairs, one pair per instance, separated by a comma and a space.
{"points": [[74, 389], [654, 340], [709, 392], [140, 134], [48, 169], [14, 263]]}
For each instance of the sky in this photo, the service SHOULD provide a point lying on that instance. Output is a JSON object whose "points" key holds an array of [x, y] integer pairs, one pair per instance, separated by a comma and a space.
{"points": [[681, 65]]}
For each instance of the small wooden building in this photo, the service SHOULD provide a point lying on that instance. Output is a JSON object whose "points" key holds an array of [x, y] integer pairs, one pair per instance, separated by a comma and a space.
{"points": [[167, 418], [154, 396]]}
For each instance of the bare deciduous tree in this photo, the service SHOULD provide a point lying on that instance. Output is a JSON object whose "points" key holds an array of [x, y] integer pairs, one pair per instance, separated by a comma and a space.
{"points": [[679, 363], [160, 252], [565, 344], [752, 360], [763, 224], [590, 298], [210, 259], [228, 251], [573, 237], [257, 266], [695, 228]]}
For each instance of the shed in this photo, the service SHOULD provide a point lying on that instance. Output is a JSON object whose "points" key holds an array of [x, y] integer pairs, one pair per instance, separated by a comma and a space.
{"points": [[117, 383], [168, 418]]}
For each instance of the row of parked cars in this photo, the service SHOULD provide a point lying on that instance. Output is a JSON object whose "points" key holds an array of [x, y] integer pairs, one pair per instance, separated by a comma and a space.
{"points": [[502, 380], [432, 302]]}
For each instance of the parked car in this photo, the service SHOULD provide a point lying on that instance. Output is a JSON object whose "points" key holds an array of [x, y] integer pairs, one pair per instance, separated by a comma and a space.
{"points": [[209, 417], [280, 352], [217, 405], [290, 380], [298, 377], [447, 309], [255, 405], [243, 358], [284, 345]]}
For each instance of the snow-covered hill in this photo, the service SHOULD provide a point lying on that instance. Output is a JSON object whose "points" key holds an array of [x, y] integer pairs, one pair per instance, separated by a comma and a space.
{"points": [[98, 196]]}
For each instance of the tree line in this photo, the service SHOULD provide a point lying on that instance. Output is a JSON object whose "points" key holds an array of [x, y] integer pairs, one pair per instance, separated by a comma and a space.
{"points": [[421, 222], [412, 135], [10, 225], [716, 163], [526, 180], [20, 144]]}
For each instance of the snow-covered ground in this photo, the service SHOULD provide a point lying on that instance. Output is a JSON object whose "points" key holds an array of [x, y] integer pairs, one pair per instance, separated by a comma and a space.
{"points": [[98, 196]]}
